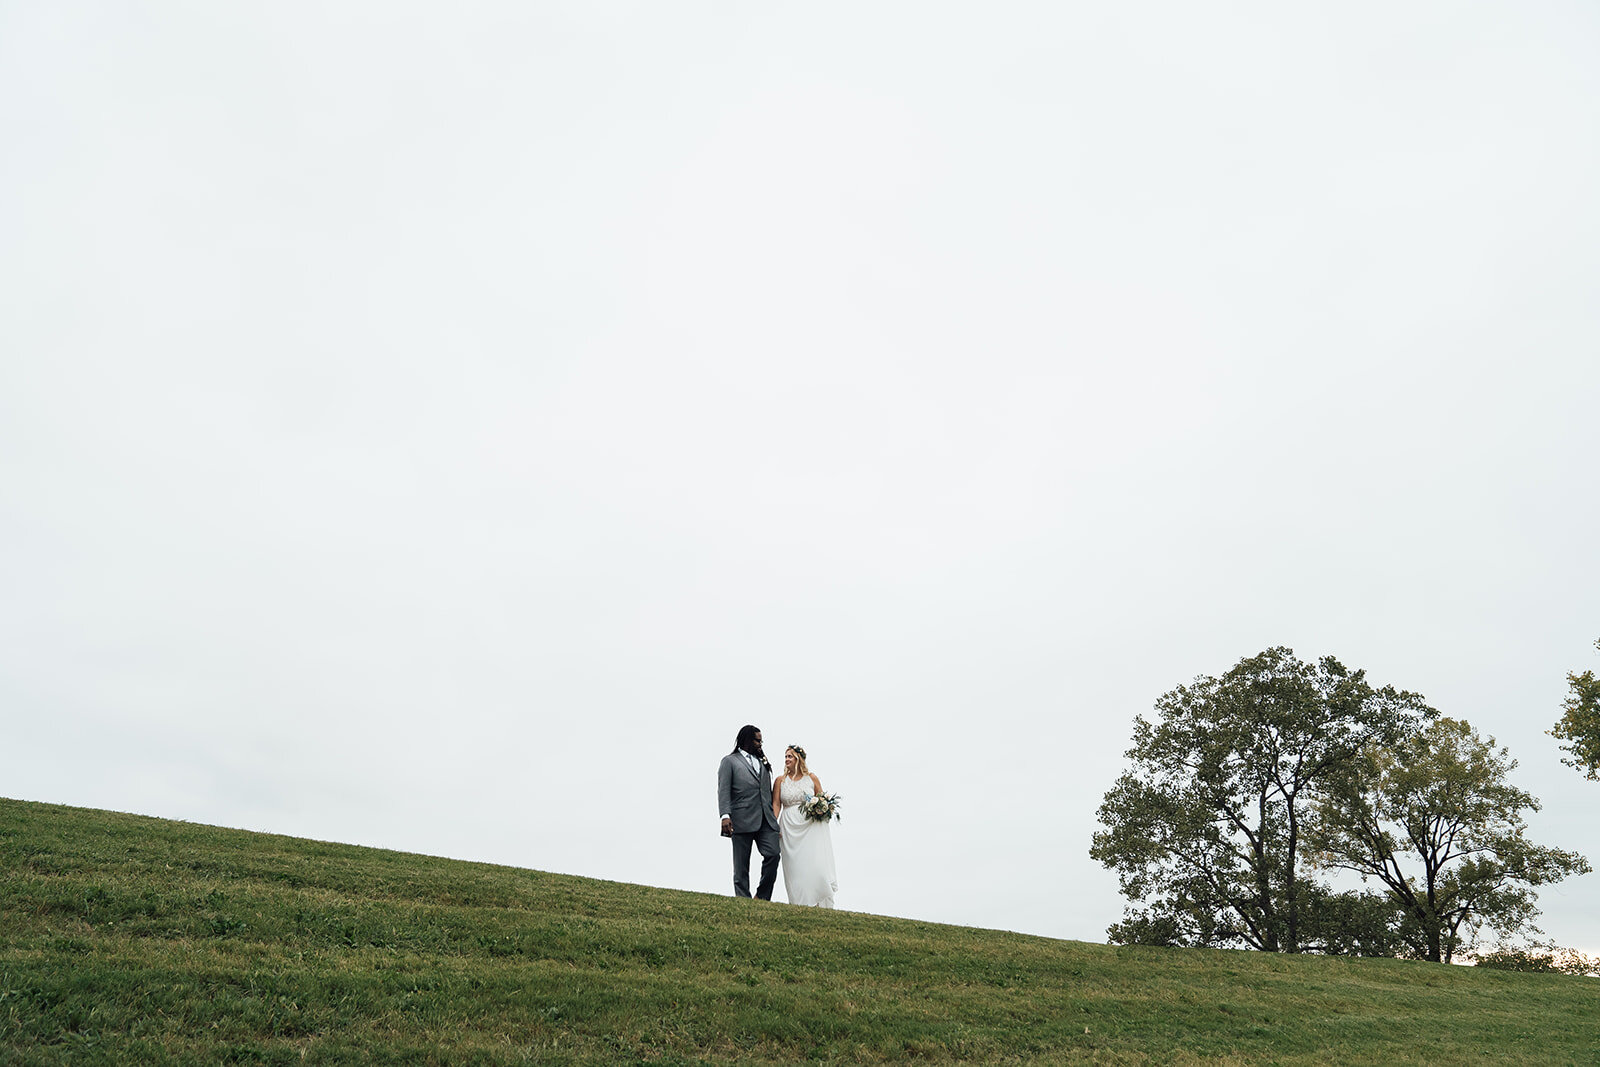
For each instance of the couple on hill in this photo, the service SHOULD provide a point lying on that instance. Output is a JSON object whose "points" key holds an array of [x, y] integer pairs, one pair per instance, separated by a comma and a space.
{"points": [[791, 814]]}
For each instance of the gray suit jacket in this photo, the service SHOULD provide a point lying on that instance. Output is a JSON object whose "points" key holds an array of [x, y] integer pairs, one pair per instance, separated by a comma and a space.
{"points": [[744, 795]]}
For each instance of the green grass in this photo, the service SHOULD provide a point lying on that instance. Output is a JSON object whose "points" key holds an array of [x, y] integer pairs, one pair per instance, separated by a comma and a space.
{"points": [[134, 940]]}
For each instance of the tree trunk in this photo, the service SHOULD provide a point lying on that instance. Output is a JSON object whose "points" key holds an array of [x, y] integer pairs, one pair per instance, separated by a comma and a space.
{"points": [[1263, 871], [1291, 888]]}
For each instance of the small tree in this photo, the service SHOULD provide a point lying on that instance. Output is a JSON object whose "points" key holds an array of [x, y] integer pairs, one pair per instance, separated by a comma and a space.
{"points": [[1204, 831], [1539, 958], [1580, 726], [1436, 822]]}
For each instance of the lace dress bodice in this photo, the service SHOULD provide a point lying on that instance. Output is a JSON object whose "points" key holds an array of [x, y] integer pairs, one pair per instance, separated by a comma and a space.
{"points": [[792, 793]]}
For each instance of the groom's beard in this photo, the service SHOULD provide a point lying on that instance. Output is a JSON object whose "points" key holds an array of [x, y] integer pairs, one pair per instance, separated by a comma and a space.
{"points": [[755, 750]]}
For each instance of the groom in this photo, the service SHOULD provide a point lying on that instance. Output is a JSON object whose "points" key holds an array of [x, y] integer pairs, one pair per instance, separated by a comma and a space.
{"points": [[744, 794]]}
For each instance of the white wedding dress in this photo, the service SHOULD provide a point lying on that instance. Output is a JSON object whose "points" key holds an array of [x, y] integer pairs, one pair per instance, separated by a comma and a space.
{"points": [[808, 874]]}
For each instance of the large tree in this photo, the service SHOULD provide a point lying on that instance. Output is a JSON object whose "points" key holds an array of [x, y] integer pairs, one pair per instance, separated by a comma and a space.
{"points": [[1435, 821], [1580, 726], [1204, 828]]}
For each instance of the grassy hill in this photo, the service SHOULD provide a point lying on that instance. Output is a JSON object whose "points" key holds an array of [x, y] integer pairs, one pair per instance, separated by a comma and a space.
{"points": [[136, 940]]}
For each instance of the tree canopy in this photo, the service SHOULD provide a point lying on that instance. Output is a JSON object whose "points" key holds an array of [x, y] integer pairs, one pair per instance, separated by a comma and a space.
{"points": [[1579, 727], [1204, 829], [1435, 820]]}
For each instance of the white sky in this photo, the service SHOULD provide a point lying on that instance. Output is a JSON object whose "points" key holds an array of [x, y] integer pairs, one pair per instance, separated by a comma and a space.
{"points": [[440, 427]]}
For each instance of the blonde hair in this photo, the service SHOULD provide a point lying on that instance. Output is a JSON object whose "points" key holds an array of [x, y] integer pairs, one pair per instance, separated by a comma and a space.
{"points": [[799, 759]]}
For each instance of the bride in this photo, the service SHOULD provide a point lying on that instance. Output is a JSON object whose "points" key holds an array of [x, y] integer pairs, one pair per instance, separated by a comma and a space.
{"points": [[808, 874]]}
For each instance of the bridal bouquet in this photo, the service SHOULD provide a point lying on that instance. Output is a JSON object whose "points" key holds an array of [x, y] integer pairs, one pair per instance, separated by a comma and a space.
{"points": [[821, 808]]}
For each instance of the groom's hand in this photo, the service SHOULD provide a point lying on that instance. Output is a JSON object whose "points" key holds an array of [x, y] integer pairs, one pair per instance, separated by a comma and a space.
{"points": [[727, 827]]}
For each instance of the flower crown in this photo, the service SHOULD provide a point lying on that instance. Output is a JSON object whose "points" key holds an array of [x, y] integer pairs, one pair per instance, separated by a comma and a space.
{"points": [[798, 751]]}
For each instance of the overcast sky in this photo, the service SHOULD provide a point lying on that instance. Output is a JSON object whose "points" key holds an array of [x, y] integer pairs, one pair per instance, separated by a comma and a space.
{"points": [[440, 427]]}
